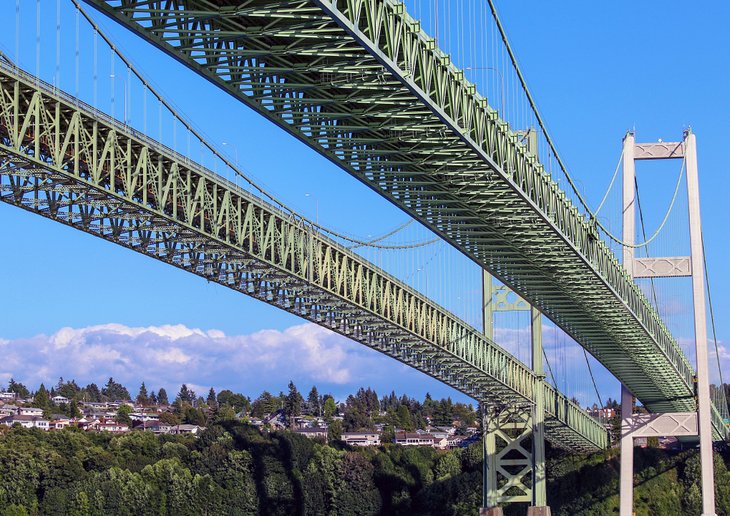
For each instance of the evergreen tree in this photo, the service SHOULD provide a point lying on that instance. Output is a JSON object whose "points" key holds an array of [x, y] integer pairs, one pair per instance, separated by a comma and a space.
{"points": [[142, 397], [73, 409], [153, 398], [67, 389], [212, 401], [193, 416], [263, 405], [405, 421], [42, 400], [292, 404], [162, 397], [92, 393], [114, 391], [186, 395], [18, 388], [314, 406]]}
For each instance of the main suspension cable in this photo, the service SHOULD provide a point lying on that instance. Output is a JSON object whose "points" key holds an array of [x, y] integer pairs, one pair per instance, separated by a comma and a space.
{"points": [[550, 142], [610, 185], [643, 233]]}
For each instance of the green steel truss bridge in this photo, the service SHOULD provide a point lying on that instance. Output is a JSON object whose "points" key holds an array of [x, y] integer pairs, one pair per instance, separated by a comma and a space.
{"points": [[361, 83], [64, 160]]}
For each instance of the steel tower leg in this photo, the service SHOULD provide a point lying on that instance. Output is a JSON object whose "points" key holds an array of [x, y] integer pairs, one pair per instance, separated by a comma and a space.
{"points": [[700, 322], [489, 446], [539, 505], [508, 461], [626, 488], [626, 485]]}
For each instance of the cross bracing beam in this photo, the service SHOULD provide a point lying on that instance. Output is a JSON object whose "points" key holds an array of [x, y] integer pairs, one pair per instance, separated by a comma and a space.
{"points": [[62, 159], [560, 265]]}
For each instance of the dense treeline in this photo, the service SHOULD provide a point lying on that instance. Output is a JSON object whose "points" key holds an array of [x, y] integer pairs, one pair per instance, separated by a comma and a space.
{"points": [[360, 411], [233, 468]]}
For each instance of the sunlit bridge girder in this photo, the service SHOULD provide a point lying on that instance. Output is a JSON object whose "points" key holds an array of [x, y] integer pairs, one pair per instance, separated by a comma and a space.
{"points": [[66, 161], [514, 220]]}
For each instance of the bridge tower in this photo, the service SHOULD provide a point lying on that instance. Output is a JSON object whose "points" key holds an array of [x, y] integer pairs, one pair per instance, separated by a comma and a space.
{"points": [[514, 437], [668, 424]]}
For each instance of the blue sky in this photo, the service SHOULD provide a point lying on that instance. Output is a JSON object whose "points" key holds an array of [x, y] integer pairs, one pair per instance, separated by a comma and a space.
{"points": [[596, 72]]}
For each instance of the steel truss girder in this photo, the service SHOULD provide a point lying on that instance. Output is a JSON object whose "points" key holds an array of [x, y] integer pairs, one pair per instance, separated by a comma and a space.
{"points": [[629, 339], [61, 159], [508, 434]]}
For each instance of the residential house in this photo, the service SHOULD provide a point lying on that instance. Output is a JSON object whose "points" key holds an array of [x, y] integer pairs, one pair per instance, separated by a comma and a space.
{"points": [[454, 441], [361, 438], [8, 410], [30, 411], [157, 427], [187, 429], [413, 439], [59, 399], [110, 425], [144, 416], [313, 433], [603, 413], [8, 396], [25, 421], [59, 422]]}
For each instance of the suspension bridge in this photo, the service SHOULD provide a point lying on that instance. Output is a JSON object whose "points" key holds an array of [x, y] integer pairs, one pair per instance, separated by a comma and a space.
{"points": [[363, 84]]}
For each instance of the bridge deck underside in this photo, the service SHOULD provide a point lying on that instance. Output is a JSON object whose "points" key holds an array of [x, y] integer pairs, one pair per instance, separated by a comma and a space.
{"points": [[63, 160], [359, 82]]}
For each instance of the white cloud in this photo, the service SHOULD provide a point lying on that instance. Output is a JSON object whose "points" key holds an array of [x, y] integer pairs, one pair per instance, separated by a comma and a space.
{"points": [[169, 355]]}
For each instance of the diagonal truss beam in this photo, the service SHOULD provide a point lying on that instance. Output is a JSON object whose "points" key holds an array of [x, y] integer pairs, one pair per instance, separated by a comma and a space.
{"points": [[514, 220], [62, 159]]}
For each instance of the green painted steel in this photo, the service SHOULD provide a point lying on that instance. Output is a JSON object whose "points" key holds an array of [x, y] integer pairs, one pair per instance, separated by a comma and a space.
{"points": [[360, 82], [64, 160]]}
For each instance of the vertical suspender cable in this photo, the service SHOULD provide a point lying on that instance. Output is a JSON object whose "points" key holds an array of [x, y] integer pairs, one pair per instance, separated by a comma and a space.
{"points": [[57, 78], [113, 80], [38, 39], [95, 71], [712, 316], [17, 32], [128, 98], [76, 57]]}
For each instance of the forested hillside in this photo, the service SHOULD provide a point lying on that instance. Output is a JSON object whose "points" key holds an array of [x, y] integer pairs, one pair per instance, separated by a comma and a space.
{"points": [[233, 468]]}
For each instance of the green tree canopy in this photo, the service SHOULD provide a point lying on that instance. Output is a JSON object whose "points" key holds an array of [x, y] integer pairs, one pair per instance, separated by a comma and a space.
{"points": [[114, 391]]}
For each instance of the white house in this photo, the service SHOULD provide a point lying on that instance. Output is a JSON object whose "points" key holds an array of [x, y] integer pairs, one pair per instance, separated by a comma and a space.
{"points": [[157, 427], [413, 439], [361, 438], [144, 416], [312, 433], [30, 411], [25, 421], [110, 425], [59, 399], [8, 396]]}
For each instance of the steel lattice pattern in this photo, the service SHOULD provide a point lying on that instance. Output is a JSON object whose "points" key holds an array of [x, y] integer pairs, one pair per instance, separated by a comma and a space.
{"points": [[63, 160], [359, 82]]}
